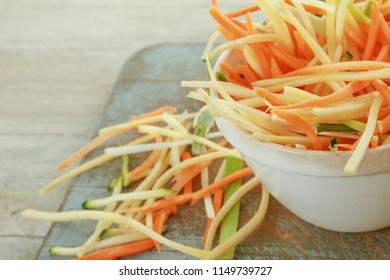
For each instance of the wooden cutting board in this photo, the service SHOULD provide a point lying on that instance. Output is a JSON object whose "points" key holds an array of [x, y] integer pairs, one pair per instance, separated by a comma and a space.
{"points": [[149, 79]]}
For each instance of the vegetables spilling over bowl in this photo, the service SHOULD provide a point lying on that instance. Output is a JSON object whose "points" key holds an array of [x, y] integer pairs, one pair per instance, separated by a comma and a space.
{"points": [[304, 96], [133, 217]]}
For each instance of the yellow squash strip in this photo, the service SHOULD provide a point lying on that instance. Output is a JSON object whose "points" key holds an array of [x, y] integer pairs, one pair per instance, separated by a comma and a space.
{"points": [[358, 154], [114, 218]]}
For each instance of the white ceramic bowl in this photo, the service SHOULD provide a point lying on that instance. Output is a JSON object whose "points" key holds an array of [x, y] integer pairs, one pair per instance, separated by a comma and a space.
{"points": [[312, 184]]}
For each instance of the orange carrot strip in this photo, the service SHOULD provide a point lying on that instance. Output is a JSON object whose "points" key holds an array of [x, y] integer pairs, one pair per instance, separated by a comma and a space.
{"points": [[338, 95], [264, 62], [218, 200], [303, 50], [353, 50], [161, 204], [364, 28], [159, 222], [309, 87], [120, 251], [158, 111], [188, 185], [284, 68], [155, 215], [230, 36], [383, 112], [345, 146], [288, 59], [301, 125], [297, 45], [383, 89], [352, 36], [232, 75], [188, 174], [325, 90], [318, 89], [321, 40], [226, 22], [373, 32], [309, 8], [248, 73], [383, 54], [384, 29], [275, 69], [291, 29], [191, 172], [240, 24], [99, 140], [271, 97], [147, 163], [86, 149], [220, 183], [243, 11]]}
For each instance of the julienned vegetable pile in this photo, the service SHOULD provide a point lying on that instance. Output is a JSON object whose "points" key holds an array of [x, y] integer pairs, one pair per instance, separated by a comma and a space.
{"points": [[313, 75], [133, 218]]}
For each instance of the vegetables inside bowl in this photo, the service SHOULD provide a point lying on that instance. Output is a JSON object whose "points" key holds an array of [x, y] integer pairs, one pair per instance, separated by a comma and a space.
{"points": [[304, 96], [326, 162], [311, 76]]}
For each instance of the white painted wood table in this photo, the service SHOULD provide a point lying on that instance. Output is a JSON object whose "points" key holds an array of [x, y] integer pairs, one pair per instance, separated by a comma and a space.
{"points": [[58, 62]]}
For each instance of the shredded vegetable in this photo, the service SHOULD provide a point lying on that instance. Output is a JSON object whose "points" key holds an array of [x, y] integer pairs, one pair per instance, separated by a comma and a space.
{"points": [[320, 69], [310, 75], [132, 220]]}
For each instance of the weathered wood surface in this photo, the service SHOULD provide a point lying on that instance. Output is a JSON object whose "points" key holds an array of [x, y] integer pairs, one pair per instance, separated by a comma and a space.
{"points": [[144, 84]]}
